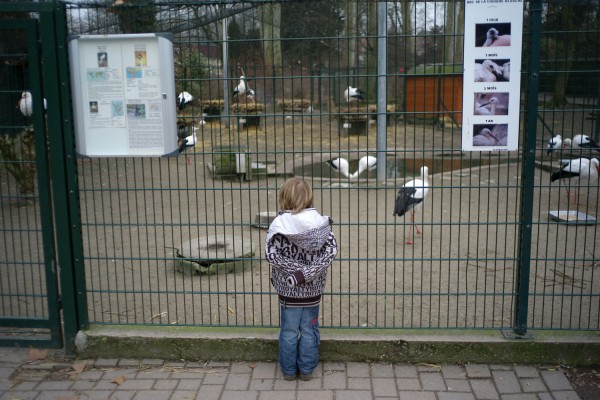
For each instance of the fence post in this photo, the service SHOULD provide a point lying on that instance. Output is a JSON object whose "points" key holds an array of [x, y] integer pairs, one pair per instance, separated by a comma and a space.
{"points": [[528, 172], [381, 90]]}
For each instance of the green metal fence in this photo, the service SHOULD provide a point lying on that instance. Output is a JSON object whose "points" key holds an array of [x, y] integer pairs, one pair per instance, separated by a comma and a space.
{"points": [[464, 271], [489, 255]]}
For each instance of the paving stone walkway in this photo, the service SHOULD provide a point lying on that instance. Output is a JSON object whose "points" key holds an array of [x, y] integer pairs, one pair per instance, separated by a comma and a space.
{"points": [[128, 379]]}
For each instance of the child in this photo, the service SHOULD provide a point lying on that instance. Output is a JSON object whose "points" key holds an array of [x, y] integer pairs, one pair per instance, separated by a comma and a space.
{"points": [[300, 248]]}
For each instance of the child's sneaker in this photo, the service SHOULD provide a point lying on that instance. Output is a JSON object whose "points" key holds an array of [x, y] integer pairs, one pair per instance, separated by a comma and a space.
{"points": [[306, 377], [289, 377]]}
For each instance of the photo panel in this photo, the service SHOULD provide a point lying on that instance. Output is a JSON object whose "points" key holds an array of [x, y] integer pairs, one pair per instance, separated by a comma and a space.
{"points": [[493, 34], [490, 103], [491, 70], [490, 135]]}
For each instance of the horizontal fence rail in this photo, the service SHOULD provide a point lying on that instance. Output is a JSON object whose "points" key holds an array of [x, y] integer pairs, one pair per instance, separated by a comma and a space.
{"points": [[140, 214]]}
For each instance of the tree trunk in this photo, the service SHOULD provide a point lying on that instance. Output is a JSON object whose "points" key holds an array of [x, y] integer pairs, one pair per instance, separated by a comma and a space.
{"points": [[407, 29], [270, 23], [349, 51], [566, 50], [371, 83]]}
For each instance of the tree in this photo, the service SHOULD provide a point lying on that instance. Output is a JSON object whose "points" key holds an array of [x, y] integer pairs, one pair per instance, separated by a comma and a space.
{"points": [[270, 28], [455, 16], [136, 16], [568, 43], [311, 25]]}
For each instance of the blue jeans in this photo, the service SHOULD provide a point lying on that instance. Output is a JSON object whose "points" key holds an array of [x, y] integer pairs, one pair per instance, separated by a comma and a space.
{"points": [[299, 339]]}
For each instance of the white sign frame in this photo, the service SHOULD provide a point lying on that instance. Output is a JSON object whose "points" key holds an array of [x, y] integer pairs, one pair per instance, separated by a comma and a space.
{"points": [[492, 75], [124, 96]]}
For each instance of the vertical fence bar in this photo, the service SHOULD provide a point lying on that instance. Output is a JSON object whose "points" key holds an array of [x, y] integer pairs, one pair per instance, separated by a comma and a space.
{"points": [[528, 173], [381, 90]]}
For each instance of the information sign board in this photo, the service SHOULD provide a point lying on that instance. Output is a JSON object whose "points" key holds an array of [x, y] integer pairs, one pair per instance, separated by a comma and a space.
{"points": [[123, 94], [492, 74]]}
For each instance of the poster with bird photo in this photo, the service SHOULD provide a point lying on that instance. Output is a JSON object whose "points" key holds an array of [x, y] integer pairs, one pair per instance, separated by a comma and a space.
{"points": [[492, 75]]}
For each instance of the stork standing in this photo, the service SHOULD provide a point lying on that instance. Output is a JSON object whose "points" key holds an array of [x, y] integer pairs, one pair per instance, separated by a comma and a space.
{"points": [[241, 87], [580, 172], [188, 141], [410, 198]]}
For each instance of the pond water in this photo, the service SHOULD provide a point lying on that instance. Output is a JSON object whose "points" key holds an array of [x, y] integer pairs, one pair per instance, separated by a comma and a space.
{"points": [[395, 167]]}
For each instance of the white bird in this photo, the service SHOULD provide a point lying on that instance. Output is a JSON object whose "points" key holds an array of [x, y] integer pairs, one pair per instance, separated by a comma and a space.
{"points": [[341, 165], [481, 109], [580, 171], [353, 94], [366, 163], [25, 104], [585, 142], [241, 88], [492, 38], [188, 141], [410, 197], [554, 144], [487, 71], [485, 138], [184, 99]]}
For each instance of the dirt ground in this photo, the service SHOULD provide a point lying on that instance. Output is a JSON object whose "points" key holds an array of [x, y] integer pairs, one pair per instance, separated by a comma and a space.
{"points": [[460, 273]]}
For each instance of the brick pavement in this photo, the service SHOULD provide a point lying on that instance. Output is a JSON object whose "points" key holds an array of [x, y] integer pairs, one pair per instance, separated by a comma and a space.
{"points": [[127, 379]]}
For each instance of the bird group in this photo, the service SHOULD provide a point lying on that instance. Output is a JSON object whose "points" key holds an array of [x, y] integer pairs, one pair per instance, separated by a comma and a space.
{"points": [[578, 142], [342, 166], [580, 171]]}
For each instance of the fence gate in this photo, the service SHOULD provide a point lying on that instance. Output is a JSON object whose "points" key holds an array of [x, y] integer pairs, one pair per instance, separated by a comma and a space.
{"points": [[33, 190]]}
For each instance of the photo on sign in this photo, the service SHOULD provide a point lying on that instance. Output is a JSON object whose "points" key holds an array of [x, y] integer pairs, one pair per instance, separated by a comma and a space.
{"points": [[116, 108], [492, 35], [494, 103], [492, 70], [136, 110], [102, 59], [141, 58], [490, 135], [94, 107]]}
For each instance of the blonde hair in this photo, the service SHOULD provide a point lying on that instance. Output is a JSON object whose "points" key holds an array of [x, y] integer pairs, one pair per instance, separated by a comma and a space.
{"points": [[296, 195]]}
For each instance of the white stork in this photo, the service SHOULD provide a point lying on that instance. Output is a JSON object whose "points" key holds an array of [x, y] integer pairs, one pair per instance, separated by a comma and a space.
{"points": [[410, 197], [353, 94], [580, 171]]}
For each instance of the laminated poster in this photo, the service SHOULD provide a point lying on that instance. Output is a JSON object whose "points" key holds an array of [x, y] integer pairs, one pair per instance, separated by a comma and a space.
{"points": [[492, 75], [124, 95]]}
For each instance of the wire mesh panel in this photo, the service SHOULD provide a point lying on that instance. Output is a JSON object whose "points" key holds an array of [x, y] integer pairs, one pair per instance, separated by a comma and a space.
{"points": [[28, 286], [565, 293], [285, 89]]}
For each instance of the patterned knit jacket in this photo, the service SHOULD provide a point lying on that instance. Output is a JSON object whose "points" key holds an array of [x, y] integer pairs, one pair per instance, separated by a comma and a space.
{"points": [[300, 248]]}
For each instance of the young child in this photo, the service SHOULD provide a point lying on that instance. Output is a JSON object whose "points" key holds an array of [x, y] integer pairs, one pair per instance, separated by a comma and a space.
{"points": [[300, 247]]}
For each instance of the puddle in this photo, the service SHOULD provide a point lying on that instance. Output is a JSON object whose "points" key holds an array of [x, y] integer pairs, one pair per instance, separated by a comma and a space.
{"points": [[396, 167]]}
